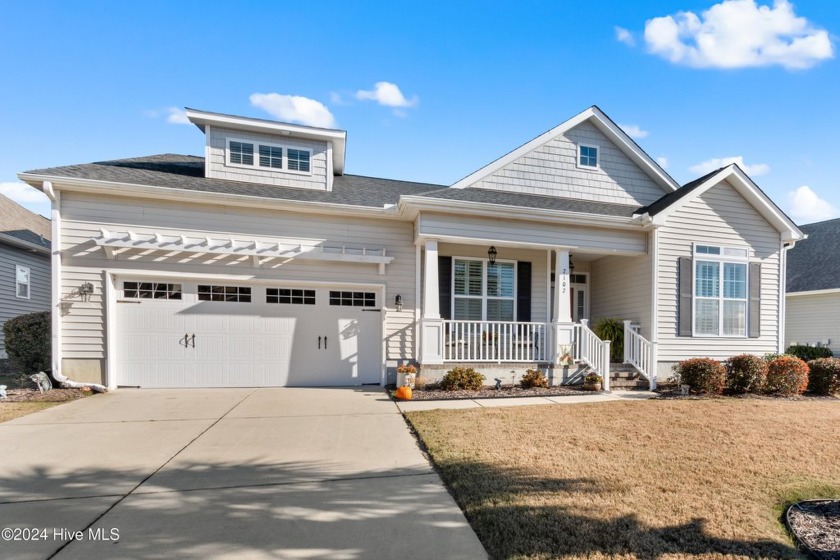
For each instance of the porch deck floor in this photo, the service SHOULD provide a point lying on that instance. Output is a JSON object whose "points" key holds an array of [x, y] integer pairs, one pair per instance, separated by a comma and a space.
{"points": [[411, 406]]}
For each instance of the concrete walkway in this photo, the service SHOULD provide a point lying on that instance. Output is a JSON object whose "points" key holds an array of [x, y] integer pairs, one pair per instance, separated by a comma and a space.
{"points": [[410, 406], [210, 473]]}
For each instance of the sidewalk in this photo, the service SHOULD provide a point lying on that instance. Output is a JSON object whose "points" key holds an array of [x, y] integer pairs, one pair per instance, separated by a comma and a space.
{"points": [[411, 406]]}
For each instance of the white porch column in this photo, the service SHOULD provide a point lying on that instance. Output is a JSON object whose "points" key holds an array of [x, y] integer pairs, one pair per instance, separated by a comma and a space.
{"points": [[562, 312], [432, 324]]}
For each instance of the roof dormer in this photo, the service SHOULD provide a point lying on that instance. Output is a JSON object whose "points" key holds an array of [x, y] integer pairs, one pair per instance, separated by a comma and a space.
{"points": [[270, 152]]}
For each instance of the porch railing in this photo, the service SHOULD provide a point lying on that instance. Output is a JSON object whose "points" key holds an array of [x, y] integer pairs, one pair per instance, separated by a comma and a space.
{"points": [[640, 352], [593, 351], [495, 341]]}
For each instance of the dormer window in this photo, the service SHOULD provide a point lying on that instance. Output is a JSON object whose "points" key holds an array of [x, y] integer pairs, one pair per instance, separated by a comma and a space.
{"points": [[271, 156], [588, 156], [261, 155], [299, 159], [241, 153]]}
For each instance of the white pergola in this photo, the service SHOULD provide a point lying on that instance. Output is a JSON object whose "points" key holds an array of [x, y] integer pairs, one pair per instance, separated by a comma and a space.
{"points": [[260, 252]]}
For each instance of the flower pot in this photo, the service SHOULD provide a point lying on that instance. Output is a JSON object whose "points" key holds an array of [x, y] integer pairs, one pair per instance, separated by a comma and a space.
{"points": [[592, 386]]}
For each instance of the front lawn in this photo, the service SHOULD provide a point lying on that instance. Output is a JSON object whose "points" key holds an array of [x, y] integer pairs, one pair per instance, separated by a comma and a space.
{"points": [[647, 479], [11, 410]]}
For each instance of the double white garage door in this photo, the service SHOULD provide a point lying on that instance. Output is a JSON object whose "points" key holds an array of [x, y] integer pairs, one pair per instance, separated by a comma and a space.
{"points": [[210, 334]]}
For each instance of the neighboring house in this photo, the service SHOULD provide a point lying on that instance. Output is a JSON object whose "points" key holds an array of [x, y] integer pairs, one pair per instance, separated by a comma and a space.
{"points": [[262, 263], [24, 264], [813, 288]]}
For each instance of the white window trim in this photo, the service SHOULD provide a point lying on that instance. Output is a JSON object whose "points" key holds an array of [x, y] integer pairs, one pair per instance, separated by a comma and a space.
{"points": [[28, 283], [585, 287], [720, 259], [256, 165], [483, 297], [597, 165]]}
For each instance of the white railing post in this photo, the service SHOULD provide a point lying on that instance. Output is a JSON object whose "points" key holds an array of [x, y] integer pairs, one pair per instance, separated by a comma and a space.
{"points": [[628, 342], [605, 374], [654, 366]]}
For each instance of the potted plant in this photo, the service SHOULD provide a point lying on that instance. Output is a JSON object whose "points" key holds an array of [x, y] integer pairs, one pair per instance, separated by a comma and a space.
{"points": [[592, 382], [409, 374]]}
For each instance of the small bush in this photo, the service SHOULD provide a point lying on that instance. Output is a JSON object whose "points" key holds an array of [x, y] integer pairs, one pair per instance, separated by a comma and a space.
{"points": [[421, 383], [703, 375], [746, 373], [824, 378], [462, 378], [27, 339], [613, 330], [808, 353], [787, 376], [533, 378]]}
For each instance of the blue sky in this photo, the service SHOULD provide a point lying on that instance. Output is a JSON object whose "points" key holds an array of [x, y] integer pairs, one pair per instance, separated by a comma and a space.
{"points": [[459, 84]]}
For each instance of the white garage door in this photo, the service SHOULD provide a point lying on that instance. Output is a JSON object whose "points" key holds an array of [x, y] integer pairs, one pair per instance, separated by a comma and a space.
{"points": [[207, 334]]}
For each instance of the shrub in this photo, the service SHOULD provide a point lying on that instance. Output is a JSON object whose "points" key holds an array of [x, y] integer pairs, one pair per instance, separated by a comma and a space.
{"points": [[533, 378], [459, 378], [27, 339], [746, 373], [611, 329], [824, 378], [808, 353], [703, 375], [421, 383], [787, 376]]}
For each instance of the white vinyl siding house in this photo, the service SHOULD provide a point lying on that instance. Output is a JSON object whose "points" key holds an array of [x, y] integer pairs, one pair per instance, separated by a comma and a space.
{"points": [[813, 319]]}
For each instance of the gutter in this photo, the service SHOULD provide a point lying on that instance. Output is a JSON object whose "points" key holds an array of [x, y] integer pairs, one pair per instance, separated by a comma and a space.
{"points": [[22, 244]]}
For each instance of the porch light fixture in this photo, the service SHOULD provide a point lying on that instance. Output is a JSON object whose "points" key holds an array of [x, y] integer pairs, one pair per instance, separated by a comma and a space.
{"points": [[398, 302], [491, 254], [85, 290]]}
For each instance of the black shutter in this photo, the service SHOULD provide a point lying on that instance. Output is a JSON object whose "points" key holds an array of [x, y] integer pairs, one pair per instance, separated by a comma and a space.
{"points": [[755, 300], [523, 291], [445, 286], [686, 297]]}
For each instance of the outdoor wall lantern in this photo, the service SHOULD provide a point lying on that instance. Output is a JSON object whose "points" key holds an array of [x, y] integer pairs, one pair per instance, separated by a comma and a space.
{"points": [[491, 254], [85, 290], [398, 302]]}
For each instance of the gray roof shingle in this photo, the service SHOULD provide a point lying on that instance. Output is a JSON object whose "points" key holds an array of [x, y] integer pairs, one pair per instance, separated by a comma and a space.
{"points": [[18, 222], [812, 263], [187, 173]]}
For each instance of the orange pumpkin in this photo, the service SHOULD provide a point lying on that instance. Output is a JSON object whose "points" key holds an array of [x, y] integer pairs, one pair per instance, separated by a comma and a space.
{"points": [[404, 393]]}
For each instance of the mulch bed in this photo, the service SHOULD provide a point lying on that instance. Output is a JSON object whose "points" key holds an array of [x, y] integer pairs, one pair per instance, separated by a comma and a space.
{"points": [[816, 525], [506, 391], [34, 395]]}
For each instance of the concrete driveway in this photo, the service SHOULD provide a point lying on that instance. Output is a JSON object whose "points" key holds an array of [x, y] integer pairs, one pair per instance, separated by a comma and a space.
{"points": [[208, 473]]}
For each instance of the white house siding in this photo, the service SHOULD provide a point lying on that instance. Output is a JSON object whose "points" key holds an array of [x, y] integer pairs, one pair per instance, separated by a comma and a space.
{"points": [[39, 287], [539, 305], [551, 170], [720, 216], [622, 289], [813, 318], [217, 168], [83, 215], [486, 230]]}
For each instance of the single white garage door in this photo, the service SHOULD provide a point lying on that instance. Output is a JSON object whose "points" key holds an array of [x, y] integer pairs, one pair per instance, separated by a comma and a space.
{"points": [[211, 334]]}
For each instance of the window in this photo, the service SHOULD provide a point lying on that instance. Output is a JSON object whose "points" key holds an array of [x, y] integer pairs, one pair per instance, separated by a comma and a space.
{"points": [[353, 299], [720, 290], [298, 159], [483, 292], [271, 156], [587, 156], [290, 296], [22, 281], [241, 294], [241, 153], [151, 290]]}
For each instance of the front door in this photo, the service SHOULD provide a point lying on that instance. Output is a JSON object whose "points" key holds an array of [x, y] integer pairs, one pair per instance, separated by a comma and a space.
{"points": [[578, 293]]}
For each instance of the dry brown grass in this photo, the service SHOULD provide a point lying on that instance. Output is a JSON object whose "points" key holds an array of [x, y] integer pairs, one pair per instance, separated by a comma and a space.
{"points": [[11, 410], [647, 479]]}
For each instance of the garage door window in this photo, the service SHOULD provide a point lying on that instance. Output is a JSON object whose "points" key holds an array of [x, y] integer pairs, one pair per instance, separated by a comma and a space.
{"points": [[290, 296], [241, 294], [353, 299], [151, 290]]}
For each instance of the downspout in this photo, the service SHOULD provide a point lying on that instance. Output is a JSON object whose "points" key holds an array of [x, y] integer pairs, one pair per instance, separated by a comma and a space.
{"points": [[55, 285], [784, 248]]}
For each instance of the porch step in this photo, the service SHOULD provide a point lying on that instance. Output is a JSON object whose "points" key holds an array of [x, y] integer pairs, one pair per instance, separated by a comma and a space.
{"points": [[623, 383]]}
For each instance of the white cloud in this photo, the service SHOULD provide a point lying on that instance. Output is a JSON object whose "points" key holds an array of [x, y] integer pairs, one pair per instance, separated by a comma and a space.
{"points": [[22, 193], [387, 94], [294, 108], [662, 161], [806, 206], [710, 165], [624, 36], [633, 130], [739, 34], [177, 116]]}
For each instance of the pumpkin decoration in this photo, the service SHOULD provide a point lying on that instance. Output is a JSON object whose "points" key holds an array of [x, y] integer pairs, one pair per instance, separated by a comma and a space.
{"points": [[404, 393]]}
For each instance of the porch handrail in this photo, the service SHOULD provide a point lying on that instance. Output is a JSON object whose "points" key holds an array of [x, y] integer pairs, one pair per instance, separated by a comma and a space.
{"points": [[495, 341], [593, 351], [640, 353]]}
